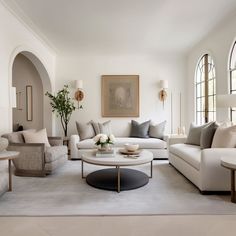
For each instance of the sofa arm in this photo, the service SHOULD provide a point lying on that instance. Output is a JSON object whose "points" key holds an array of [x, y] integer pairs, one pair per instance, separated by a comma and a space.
{"points": [[31, 157], [74, 140], [55, 141], [173, 139], [214, 177]]}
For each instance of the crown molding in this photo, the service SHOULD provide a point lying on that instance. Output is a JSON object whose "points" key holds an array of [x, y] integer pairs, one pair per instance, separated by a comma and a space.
{"points": [[19, 14]]}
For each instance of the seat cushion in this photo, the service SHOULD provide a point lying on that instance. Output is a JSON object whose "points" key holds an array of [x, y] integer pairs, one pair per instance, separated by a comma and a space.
{"points": [[147, 143], [55, 152], [189, 153]]}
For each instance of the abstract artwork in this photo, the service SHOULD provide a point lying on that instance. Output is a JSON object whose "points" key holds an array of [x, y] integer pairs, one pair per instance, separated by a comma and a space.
{"points": [[120, 95]]}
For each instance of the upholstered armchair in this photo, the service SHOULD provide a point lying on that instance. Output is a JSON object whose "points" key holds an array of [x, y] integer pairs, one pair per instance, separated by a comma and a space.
{"points": [[35, 159]]}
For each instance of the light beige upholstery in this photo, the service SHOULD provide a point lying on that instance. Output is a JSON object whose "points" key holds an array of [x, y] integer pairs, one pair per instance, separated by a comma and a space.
{"points": [[34, 157], [3, 176]]}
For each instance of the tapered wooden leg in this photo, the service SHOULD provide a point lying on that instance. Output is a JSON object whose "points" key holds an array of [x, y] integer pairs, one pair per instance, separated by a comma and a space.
{"points": [[10, 176], [233, 186]]}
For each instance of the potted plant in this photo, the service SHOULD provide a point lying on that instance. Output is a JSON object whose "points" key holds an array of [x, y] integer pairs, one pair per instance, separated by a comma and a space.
{"points": [[62, 105]]}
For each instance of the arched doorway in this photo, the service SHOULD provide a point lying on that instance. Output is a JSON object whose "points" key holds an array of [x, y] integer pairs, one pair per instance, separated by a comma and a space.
{"points": [[38, 79]]}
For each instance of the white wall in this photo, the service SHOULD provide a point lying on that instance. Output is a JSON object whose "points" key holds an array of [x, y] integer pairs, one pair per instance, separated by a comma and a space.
{"points": [[24, 73], [16, 37], [218, 44], [151, 69]]}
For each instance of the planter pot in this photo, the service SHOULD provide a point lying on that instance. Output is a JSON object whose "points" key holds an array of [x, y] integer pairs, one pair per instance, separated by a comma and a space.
{"points": [[3, 144]]}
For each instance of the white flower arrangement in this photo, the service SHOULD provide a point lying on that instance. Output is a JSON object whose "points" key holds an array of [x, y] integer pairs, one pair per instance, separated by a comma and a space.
{"points": [[103, 139]]}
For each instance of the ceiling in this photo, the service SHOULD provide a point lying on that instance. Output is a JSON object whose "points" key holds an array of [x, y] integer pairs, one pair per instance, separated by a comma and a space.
{"points": [[122, 26]]}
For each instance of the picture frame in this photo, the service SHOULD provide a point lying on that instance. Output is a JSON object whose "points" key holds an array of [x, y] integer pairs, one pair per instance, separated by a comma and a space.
{"points": [[120, 95], [29, 103]]}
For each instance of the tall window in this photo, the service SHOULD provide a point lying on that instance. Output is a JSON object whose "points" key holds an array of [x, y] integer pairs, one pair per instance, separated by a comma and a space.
{"points": [[205, 88], [232, 69]]}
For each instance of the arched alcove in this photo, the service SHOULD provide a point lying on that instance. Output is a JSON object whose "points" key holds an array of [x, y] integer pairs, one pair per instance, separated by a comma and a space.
{"points": [[46, 84]]}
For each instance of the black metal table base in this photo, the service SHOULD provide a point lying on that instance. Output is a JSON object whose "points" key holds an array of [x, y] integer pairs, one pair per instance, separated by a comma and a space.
{"points": [[108, 179]]}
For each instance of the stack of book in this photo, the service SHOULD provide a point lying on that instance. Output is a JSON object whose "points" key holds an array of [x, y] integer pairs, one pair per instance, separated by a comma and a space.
{"points": [[105, 153]]}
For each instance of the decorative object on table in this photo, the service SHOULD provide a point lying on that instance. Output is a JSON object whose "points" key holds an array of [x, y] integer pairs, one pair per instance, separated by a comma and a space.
{"points": [[131, 147], [163, 92], [124, 151], [104, 141], [63, 106], [120, 95], [3, 144], [29, 103], [105, 153], [79, 94]]}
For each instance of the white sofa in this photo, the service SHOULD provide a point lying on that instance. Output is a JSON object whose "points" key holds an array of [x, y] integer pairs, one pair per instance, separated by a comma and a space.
{"points": [[202, 167], [157, 146]]}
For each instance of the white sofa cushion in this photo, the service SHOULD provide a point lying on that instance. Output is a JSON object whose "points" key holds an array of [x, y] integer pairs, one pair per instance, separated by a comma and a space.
{"points": [[189, 153], [147, 143], [55, 152]]}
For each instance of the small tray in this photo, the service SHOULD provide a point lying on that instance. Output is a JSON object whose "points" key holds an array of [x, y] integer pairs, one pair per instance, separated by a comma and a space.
{"points": [[125, 152]]}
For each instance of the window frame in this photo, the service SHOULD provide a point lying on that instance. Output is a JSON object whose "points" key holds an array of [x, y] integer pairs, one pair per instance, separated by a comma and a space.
{"points": [[205, 67]]}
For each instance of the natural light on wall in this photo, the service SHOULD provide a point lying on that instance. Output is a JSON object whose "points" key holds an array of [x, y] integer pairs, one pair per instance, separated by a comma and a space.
{"points": [[205, 90]]}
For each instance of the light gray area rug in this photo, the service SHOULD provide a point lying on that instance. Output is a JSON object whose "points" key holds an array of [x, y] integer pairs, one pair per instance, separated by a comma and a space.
{"points": [[66, 193]]}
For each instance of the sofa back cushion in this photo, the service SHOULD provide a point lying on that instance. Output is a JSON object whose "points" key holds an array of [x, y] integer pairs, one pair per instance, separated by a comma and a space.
{"points": [[225, 137], [207, 135], [16, 137], [139, 130], [194, 134], [85, 131], [157, 131]]}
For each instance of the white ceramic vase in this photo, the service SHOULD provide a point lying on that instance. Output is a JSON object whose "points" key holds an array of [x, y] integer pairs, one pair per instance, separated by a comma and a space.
{"points": [[3, 144]]}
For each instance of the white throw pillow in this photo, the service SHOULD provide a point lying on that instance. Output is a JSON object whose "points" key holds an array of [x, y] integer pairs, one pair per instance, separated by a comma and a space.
{"points": [[225, 137], [37, 137]]}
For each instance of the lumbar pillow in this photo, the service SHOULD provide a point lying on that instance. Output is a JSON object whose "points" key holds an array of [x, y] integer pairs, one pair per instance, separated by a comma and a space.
{"points": [[85, 131], [207, 135], [102, 128], [225, 137], [37, 137], [157, 131], [139, 130], [194, 134]]}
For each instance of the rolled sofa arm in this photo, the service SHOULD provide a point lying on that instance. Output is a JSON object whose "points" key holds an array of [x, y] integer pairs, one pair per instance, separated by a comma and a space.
{"points": [[74, 152], [55, 141], [31, 157], [214, 177]]}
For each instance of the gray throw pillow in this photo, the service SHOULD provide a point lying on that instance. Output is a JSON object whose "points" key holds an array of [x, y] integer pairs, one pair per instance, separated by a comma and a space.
{"points": [[157, 131], [139, 130], [207, 135], [194, 134], [85, 131], [102, 128], [105, 128]]}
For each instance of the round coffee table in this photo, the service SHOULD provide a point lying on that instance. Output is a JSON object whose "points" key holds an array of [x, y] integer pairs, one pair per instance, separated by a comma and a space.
{"points": [[230, 163], [117, 178]]}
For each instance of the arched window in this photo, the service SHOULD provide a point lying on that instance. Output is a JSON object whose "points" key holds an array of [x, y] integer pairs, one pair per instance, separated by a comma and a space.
{"points": [[232, 69], [205, 90]]}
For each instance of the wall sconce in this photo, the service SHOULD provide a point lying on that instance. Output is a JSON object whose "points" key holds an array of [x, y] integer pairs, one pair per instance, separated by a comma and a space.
{"points": [[13, 97], [79, 94], [163, 92]]}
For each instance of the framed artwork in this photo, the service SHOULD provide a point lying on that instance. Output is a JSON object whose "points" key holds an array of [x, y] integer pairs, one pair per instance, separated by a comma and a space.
{"points": [[29, 103], [120, 95]]}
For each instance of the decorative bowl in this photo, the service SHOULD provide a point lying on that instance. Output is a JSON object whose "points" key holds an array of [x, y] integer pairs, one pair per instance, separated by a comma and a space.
{"points": [[131, 147]]}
